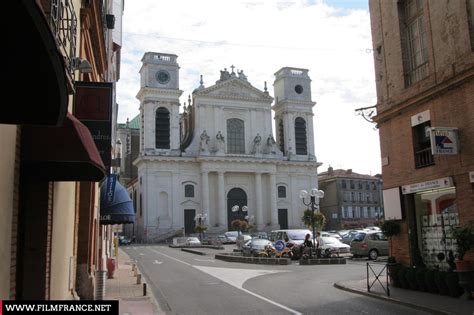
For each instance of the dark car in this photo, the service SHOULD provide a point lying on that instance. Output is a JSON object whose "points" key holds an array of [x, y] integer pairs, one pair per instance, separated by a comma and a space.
{"points": [[124, 240], [254, 246]]}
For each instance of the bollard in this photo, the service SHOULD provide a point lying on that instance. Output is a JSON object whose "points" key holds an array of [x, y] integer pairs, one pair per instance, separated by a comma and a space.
{"points": [[133, 267], [144, 289], [139, 278], [135, 272]]}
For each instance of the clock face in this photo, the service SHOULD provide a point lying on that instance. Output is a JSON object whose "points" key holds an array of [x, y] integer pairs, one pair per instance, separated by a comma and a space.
{"points": [[162, 76]]}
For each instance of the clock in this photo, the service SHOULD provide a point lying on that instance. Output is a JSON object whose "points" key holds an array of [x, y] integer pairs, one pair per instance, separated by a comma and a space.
{"points": [[162, 76]]}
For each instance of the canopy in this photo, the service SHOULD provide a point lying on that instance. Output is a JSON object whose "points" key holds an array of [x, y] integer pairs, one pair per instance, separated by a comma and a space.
{"points": [[116, 207]]}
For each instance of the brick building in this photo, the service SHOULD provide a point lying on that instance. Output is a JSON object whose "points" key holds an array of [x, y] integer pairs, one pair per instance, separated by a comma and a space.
{"points": [[423, 55]]}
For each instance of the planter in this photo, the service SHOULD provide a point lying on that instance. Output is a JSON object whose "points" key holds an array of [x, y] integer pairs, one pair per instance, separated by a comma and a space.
{"points": [[463, 265], [393, 269], [466, 281]]}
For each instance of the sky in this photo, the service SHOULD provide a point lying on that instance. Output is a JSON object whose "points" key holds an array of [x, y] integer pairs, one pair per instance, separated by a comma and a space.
{"points": [[330, 38]]}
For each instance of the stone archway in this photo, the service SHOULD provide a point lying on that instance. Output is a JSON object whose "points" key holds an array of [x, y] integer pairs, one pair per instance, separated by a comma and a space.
{"points": [[235, 196]]}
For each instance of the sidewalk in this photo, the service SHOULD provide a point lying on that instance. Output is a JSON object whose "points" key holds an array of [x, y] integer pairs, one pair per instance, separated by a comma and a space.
{"points": [[123, 287], [432, 303]]}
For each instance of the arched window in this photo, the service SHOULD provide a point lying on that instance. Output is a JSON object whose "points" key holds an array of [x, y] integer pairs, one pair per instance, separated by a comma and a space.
{"points": [[300, 136], [189, 191], [235, 136], [162, 128], [281, 192]]}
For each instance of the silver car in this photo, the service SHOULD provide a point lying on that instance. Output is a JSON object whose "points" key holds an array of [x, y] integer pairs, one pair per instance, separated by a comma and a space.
{"points": [[370, 244]]}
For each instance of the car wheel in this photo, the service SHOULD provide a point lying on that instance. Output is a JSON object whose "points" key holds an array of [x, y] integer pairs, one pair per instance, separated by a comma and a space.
{"points": [[373, 254]]}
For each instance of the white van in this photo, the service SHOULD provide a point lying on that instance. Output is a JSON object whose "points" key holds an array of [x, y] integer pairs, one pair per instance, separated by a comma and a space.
{"points": [[295, 236]]}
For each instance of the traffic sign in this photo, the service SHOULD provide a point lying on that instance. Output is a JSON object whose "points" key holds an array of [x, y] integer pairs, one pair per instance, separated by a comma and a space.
{"points": [[279, 246]]}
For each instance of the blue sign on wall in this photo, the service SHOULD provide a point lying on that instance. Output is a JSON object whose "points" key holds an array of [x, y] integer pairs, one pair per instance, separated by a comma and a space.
{"points": [[110, 188]]}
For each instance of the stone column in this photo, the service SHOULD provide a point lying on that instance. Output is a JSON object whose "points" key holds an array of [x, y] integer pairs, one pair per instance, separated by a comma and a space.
{"points": [[221, 199], [258, 201], [273, 200], [205, 194]]}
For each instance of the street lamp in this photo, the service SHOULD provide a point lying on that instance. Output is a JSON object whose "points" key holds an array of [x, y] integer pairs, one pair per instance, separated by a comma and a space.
{"points": [[237, 209], [200, 219], [315, 193]]}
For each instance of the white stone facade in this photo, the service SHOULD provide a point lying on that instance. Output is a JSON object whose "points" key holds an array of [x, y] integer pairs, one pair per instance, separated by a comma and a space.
{"points": [[227, 150]]}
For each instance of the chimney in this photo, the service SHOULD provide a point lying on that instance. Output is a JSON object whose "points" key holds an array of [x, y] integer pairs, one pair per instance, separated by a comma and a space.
{"points": [[330, 170], [349, 171]]}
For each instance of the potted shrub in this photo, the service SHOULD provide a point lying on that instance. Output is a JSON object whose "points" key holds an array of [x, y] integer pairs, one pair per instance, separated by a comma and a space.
{"points": [[464, 237], [391, 228], [393, 267], [430, 281]]}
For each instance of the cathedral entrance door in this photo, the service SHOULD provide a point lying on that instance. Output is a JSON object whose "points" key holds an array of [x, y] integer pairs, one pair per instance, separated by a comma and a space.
{"points": [[236, 196], [283, 218], [189, 223]]}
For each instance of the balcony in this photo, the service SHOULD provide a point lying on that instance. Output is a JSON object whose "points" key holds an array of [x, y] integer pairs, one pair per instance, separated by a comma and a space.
{"points": [[423, 158], [62, 21]]}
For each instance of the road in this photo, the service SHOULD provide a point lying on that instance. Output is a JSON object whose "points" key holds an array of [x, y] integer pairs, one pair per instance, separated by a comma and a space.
{"points": [[185, 283]]}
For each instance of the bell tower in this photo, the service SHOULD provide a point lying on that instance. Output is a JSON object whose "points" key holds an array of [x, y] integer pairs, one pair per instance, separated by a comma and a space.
{"points": [[159, 104], [294, 113]]}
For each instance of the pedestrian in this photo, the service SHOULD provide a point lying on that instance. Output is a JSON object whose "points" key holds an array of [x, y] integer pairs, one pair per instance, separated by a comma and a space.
{"points": [[307, 246], [319, 244]]}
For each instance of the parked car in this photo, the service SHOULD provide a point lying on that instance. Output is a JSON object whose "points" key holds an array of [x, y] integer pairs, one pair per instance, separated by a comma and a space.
{"points": [[193, 241], [349, 236], [231, 236], [124, 240], [330, 245], [254, 246], [294, 236], [263, 235], [242, 239], [370, 244]]}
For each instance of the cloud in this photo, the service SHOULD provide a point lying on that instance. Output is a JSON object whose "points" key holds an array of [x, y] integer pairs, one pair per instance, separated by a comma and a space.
{"points": [[260, 37]]}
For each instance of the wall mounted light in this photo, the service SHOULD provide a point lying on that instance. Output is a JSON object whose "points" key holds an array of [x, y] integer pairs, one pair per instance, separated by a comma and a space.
{"points": [[83, 65]]}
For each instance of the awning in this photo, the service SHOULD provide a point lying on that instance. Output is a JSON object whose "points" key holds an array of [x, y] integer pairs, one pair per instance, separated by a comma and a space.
{"points": [[65, 153], [116, 207]]}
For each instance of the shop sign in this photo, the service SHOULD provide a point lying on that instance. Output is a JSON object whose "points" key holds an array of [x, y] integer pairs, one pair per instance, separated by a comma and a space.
{"points": [[471, 177], [432, 184], [444, 141]]}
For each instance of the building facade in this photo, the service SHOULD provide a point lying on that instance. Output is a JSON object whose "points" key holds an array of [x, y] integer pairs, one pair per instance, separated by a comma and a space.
{"points": [[424, 80], [220, 152], [351, 200], [52, 243]]}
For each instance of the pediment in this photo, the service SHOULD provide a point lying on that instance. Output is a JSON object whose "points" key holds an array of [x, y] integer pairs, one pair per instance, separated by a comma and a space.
{"points": [[235, 89]]}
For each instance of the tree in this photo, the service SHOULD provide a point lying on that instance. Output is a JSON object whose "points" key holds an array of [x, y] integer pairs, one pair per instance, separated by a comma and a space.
{"points": [[391, 228], [318, 217]]}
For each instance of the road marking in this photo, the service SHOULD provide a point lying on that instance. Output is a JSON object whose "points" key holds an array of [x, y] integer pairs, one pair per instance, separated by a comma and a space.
{"points": [[235, 279], [141, 254], [156, 262], [239, 277]]}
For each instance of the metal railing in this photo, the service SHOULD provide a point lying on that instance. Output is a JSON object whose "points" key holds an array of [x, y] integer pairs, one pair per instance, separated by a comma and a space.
{"points": [[423, 158], [63, 23], [378, 275]]}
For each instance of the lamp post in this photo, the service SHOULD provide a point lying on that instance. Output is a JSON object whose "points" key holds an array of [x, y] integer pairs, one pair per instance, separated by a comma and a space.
{"points": [[200, 219], [237, 209], [315, 193]]}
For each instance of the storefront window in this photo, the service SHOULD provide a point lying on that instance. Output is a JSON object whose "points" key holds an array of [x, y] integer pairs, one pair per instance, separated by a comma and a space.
{"points": [[436, 213]]}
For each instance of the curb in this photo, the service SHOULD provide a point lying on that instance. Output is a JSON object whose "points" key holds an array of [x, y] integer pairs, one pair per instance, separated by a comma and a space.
{"points": [[392, 300], [157, 298], [253, 260], [193, 251]]}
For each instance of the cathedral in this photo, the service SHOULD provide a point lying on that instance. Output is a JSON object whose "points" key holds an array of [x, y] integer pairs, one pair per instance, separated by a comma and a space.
{"points": [[217, 159]]}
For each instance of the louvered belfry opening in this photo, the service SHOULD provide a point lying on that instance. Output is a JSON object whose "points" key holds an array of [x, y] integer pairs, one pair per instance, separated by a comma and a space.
{"points": [[162, 128], [300, 136]]}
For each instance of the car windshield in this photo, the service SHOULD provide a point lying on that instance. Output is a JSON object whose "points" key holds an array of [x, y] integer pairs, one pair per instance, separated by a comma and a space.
{"points": [[297, 235], [359, 237], [193, 239], [330, 240], [258, 241]]}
